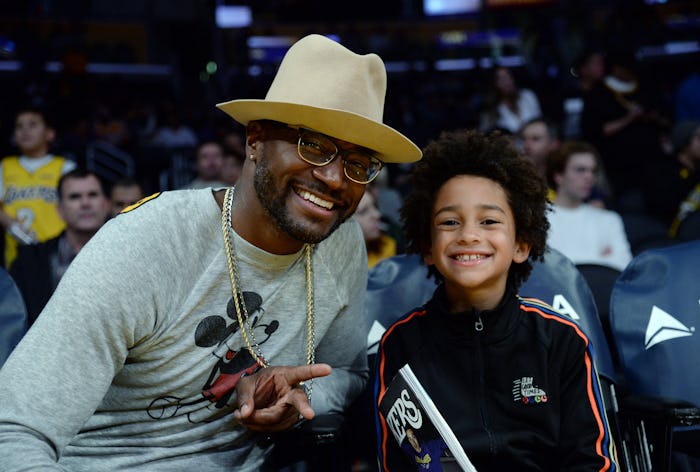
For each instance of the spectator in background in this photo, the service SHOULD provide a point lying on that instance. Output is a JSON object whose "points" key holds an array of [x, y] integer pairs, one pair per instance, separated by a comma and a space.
{"points": [[38, 268], [387, 199], [508, 106], [588, 70], [124, 192], [582, 232], [110, 128], [378, 243], [172, 132], [209, 164], [621, 121], [233, 165], [28, 184], [682, 191], [538, 138]]}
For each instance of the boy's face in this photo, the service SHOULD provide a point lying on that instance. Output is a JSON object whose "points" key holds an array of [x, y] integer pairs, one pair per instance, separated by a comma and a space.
{"points": [[32, 135], [473, 241]]}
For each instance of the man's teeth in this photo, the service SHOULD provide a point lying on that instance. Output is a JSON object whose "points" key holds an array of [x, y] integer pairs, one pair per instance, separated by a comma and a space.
{"points": [[314, 199], [469, 257]]}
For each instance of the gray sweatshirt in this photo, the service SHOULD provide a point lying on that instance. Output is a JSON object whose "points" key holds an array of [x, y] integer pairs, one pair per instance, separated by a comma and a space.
{"points": [[132, 364]]}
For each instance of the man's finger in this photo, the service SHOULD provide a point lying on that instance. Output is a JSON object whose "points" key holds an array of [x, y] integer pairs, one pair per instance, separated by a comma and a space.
{"points": [[300, 401], [245, 391], [302, 373]]}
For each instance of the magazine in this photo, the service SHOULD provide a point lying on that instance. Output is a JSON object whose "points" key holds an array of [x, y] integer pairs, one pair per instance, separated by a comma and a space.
{"points": [[419, 428]]}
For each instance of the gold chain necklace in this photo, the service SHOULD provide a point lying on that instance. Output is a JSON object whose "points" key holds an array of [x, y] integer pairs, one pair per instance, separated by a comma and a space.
{"points": [[239, 302]]}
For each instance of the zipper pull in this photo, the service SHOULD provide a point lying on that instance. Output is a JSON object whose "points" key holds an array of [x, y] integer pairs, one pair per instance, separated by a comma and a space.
{"points": [[478, 324]]}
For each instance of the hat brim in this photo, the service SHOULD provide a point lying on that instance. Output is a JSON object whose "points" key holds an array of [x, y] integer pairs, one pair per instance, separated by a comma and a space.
{"points": [[390, 145]]}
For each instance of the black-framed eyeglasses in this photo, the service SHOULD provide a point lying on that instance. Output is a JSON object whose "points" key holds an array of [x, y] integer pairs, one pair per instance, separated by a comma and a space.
{"points": [[319, 150]]}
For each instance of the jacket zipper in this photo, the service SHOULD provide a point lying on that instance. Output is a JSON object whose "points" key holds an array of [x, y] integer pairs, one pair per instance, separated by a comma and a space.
{"points": [[479, 327]]}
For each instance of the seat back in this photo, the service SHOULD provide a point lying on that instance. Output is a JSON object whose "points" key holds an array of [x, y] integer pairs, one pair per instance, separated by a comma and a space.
{"points": [[600, 280], [13, 315], [394, 286], [654, 315], [644, 232], [557, 281]]}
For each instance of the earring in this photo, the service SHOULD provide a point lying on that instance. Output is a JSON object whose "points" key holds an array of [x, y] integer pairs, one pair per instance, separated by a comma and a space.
{"points": [[252, 157]]}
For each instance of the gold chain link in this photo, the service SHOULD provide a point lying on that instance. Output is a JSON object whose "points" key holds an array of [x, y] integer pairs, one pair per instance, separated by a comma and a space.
{"points": [[239, 302]]}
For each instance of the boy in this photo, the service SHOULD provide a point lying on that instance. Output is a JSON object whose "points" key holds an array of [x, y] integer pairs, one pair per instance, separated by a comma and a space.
{"points": [[513, 378], [28, 196]]}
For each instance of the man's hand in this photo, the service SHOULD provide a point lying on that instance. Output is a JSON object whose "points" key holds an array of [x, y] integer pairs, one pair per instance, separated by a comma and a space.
{"points": [[272, 399]]}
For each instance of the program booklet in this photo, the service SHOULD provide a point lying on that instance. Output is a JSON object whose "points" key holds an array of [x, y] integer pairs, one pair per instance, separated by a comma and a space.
{"points": [[419, 428]]}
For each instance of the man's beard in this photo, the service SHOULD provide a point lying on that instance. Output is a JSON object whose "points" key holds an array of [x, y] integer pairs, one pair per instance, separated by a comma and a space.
{"points": [[273, 200]]}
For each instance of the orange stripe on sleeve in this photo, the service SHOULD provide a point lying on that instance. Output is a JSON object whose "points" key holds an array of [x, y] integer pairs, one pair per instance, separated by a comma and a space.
{"points": [[589, 381]]}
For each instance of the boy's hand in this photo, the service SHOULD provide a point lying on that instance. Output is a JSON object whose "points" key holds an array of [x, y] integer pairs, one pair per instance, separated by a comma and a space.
{"points": [[273, 400]]}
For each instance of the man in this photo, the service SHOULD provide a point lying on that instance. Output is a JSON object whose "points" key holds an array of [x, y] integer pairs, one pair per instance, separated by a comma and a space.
{"points": [[673, 185], [584, 233], [539, 138], [209, 166], [38, 268], [125, 191], [145, 360]]}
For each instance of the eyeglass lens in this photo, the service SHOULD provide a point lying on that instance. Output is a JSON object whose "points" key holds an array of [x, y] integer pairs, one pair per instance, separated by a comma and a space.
{"points": [[319, 150]]}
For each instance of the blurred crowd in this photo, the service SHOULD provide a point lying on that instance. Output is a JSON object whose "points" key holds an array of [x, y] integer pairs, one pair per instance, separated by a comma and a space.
{"points": [[640, 116]]}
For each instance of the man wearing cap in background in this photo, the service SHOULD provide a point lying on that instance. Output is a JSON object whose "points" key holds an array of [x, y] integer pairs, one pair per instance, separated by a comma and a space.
{"points": [[156, 365], [675, 180]]}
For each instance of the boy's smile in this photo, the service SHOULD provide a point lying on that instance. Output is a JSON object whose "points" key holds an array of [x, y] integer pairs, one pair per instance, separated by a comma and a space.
{"points": [[473, 241]]}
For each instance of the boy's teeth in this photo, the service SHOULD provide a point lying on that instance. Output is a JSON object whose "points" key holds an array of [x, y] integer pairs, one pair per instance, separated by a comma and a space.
{"points": [[314, 199], [469, 257]]}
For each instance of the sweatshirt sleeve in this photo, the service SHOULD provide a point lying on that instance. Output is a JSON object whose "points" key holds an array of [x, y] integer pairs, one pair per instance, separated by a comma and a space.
{"points": [[586, 442], [59, 373]]}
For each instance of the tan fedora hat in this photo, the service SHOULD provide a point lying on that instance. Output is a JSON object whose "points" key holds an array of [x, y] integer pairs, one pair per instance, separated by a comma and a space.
{"points": [[323, 86]]}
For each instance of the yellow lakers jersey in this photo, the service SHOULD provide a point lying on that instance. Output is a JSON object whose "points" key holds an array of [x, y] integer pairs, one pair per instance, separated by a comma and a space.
{"points": [[31, 198]]}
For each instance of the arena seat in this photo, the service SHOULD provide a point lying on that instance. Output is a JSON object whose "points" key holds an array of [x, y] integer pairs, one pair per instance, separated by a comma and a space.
{"points": [[654, 314], [13, 315]]}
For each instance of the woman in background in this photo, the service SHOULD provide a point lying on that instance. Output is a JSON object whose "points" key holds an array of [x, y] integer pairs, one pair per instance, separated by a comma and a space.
{"points": [[379, 244]]}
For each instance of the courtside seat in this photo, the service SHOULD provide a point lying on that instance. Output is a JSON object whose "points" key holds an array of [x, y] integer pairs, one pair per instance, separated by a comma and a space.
{"points": [[654, 315], [601, 279], [13, 315]]}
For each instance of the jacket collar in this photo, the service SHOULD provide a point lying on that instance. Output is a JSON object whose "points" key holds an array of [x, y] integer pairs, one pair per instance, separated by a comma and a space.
{"points": [[496, 323]]}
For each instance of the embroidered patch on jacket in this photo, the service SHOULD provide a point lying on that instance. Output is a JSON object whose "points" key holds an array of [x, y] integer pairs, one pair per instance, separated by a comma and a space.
{"points": [[525, 392]]}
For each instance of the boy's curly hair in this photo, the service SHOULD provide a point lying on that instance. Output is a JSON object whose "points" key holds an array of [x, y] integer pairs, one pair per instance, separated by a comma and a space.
{"points": [[493, 156]]}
